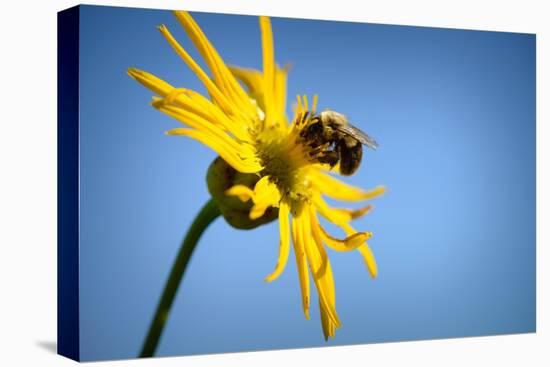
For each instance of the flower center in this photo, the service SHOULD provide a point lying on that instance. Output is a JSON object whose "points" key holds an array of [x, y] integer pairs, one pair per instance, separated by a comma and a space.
{"points": [[285, 161]]}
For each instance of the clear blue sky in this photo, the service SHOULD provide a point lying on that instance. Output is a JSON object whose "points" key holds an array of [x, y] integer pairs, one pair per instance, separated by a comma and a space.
{"points": [[454, 114]]}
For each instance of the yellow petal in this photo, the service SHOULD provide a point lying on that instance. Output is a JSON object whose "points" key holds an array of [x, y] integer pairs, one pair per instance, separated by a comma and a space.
{"points": [[199, 123], [314, 104], [214, 91], [268, 69], [265, 191], [334, 215], [354, 213], [368, 256], [253, 80], [257, 211], [151, 82], [349, 243], [363, 248], [340, 215], [266, 194], [329, 327], [230, 156], [301, 264], [222, 76], [318, 240], [365, 252], [284, 246], [201, 106], [306, 104], [243, 192], [279, 92], [337, 189], [325, 323], [324, 283]]}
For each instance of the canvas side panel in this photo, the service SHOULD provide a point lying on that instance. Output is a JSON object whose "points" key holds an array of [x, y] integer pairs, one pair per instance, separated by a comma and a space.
{"points": [[67, 183]]}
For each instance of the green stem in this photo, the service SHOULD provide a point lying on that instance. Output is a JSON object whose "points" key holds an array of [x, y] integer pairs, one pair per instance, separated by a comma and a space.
{"points": [[207, 215]]}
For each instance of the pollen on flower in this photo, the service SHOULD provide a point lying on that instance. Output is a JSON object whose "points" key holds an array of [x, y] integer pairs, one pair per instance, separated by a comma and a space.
{"points": [[287, 162]]}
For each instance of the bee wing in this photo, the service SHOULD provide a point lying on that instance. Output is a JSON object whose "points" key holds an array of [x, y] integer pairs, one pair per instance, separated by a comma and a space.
{"points": [[361, 136]]}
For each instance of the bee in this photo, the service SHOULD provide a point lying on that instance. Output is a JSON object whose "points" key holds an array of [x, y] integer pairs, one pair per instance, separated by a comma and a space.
{"points": [[333, 140]]}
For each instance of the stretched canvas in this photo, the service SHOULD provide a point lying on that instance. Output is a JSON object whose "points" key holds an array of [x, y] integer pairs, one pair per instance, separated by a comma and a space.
{"points": [[234, 183]]}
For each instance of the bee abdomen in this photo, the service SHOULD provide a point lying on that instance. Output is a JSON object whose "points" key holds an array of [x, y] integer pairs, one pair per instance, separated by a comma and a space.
{"points": [[350, 157]]}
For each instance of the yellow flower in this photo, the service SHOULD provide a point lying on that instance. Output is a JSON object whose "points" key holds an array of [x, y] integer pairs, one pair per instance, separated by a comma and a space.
{"points": [[250, 131]]}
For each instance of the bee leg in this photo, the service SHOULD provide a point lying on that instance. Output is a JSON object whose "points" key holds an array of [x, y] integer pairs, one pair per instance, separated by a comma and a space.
{"points": [[317, 150], [312, 133], [330, 157]]}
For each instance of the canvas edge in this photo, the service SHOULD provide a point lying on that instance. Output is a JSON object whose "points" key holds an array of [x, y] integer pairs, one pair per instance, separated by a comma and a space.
{"points": [[68, 331]]}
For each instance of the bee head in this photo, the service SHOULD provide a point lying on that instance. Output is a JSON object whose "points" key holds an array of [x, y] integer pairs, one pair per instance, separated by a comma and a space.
{"points": [[332, 117]]}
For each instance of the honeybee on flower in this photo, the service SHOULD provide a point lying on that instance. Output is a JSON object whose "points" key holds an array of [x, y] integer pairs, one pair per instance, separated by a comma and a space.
{"points": [[279, 168]]}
